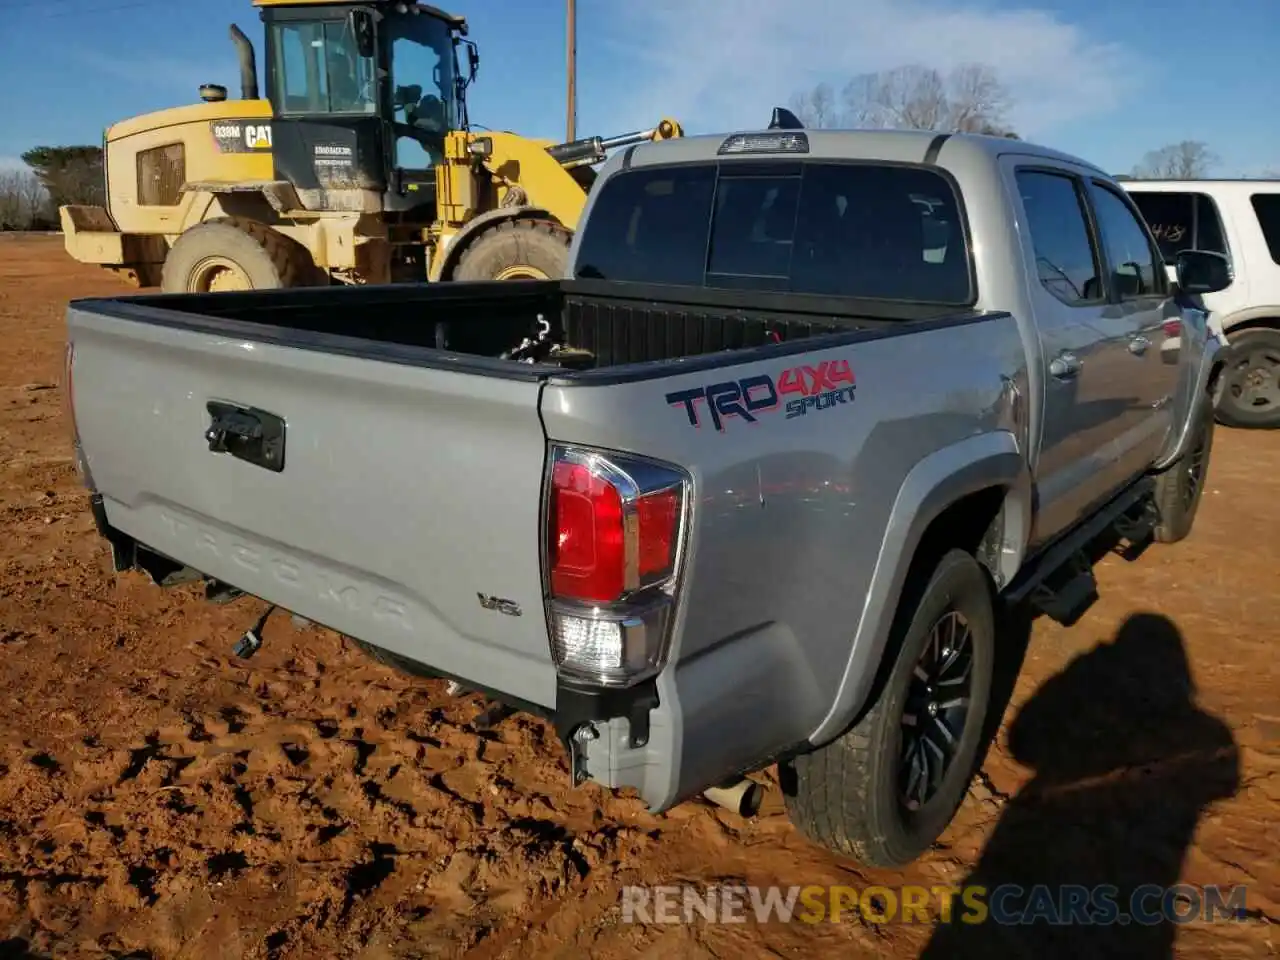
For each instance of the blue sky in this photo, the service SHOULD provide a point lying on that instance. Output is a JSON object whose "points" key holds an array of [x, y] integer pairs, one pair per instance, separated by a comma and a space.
{"points": [[1104, 79]]}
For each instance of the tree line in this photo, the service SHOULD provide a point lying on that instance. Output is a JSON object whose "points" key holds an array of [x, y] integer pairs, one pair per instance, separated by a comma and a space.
{"points": [[55, 176], [968, 99]]}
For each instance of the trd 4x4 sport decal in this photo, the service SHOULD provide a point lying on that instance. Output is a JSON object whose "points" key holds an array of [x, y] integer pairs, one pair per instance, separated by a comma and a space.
{"points": [[810, 389]]}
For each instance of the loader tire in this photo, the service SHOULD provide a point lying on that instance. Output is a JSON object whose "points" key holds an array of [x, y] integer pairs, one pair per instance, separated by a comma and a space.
{"points": [[516, 250], [1180, 488], [854, 795], [232, 253]]}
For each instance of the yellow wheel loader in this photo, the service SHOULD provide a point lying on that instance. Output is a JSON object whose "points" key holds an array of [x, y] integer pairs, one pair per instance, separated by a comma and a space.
{"points": [[359, 166]]}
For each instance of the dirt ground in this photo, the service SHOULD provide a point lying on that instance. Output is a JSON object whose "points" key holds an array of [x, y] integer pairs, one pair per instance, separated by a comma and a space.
{"points": [[159, 798]]}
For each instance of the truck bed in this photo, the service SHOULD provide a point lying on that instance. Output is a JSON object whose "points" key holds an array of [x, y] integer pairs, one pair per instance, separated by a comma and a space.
{"points": [[467, 324], [411, 459]]}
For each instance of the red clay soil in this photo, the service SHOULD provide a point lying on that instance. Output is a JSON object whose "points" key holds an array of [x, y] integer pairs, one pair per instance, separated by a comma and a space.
{"points": [[159, 798]]}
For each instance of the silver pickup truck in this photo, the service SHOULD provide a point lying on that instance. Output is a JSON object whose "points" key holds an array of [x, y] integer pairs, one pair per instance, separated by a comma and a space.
{"points": [[753, 484]]}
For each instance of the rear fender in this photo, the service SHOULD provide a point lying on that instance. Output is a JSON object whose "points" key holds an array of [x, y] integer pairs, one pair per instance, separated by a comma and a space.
{"points": [[1193, 394], [933, 484]]}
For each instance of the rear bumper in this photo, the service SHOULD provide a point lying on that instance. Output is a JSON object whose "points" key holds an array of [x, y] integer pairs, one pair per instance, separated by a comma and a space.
{"points": [[580, 716]]}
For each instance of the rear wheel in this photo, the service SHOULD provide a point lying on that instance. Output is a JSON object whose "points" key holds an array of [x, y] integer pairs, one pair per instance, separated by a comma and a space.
{"points": [[517, 250], [233, 254], [1251, 380], [887, 788]]}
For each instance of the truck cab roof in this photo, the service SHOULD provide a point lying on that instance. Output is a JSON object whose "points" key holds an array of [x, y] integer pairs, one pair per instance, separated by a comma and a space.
{"points": [[905, 146]]}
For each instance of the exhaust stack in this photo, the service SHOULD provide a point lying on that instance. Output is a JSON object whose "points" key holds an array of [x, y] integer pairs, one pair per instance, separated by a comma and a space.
{"points": [[248, 64]]}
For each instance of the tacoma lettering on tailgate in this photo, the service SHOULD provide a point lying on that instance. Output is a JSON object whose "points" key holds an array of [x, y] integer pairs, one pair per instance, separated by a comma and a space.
{"points": [[810, 388], [327, 587]]}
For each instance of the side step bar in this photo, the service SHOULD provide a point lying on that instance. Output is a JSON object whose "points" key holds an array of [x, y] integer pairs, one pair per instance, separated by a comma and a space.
{"points": [[1059, 582]]}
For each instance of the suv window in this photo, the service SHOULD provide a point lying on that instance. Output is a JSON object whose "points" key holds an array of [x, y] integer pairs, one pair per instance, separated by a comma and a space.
{"points": [[1134, 270], [1181, 221], [1065, 258], [858, 230], [1266, 206]]}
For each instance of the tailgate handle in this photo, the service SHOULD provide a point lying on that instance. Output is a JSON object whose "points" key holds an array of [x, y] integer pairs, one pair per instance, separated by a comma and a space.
{"points": [[247, 433]]}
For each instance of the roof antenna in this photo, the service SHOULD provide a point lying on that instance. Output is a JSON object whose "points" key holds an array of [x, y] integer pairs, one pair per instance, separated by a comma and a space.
{"points": [[784, 119]]}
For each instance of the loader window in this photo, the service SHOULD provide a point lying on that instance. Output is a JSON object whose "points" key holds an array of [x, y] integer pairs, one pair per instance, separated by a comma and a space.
{"points": [[422, 88], [317, 69]]}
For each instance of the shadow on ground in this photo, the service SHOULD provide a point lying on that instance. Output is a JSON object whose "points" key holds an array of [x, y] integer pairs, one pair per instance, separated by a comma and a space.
{"points": [[1125, 765]]}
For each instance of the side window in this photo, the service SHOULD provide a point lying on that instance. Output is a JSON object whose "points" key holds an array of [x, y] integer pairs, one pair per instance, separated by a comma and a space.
{"points": [[1134, 271], [1209, 233], [1065, 259], [649, 226], [1171, 217], [1266, 206], [319, 70], [301, 79], [1181, 221]]}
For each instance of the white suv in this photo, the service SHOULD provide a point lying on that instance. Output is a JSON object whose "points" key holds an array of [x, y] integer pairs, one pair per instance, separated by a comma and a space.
{"points": [[1240, 219]]}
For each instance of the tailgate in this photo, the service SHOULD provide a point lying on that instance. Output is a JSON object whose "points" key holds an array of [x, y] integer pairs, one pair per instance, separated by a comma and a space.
{"points": [[407, 491]]}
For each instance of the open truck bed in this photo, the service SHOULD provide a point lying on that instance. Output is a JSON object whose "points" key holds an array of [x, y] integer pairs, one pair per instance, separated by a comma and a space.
{"points": [[411, 459]]}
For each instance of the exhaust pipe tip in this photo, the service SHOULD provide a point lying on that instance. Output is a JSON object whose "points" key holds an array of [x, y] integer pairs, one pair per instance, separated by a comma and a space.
{"points": [[742, 798]]}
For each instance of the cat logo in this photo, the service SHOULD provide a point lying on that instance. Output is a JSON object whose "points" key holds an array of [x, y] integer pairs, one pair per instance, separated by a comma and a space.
{"points": [[241, 136], [257, 136]]}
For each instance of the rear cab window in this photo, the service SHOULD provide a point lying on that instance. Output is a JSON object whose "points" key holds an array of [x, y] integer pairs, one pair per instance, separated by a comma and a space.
{"points": [[871, 230]]}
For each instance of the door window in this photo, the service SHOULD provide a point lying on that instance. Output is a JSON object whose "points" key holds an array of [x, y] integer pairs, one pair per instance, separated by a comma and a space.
{"points": [[1130, 256], [1066, 261]]}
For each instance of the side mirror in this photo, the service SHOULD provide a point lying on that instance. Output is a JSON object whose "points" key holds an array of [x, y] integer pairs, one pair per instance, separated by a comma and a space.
{"points": [[473, 62], [1200, 271], [360, 26]]}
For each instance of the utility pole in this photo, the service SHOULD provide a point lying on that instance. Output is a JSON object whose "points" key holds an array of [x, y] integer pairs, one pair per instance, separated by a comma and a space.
{"points": [[571, 43]]}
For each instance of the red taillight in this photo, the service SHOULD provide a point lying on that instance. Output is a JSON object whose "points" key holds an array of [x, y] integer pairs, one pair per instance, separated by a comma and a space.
{"points": [[587, 554], [659, 516], [614, 531], [609, 535]]}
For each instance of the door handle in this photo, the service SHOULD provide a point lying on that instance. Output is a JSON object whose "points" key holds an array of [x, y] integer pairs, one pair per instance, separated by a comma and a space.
{"points": [[1138, 345], [247, 433], [1064, 366]]}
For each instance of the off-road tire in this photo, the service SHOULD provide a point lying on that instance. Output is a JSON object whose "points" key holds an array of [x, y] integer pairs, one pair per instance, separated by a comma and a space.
{"points": [[845, 795], [1176, 499], [512, 244], [1232, 412], [268, 258]]}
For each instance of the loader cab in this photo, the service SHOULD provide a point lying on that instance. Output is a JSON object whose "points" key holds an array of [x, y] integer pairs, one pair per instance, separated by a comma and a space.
{"points": [[363, 96]]}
